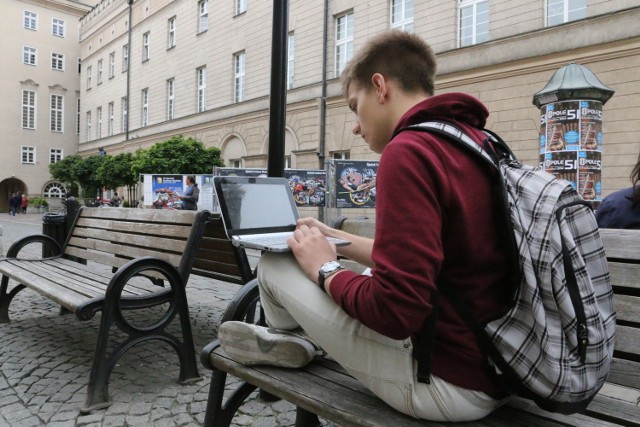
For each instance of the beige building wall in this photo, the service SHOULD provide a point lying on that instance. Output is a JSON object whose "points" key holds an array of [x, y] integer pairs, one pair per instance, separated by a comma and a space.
{"points": [[518, 59], [41, 78]]}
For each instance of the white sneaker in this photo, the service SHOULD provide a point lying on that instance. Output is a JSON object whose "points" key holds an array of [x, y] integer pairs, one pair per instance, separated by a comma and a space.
{"points": [[257, 345]]}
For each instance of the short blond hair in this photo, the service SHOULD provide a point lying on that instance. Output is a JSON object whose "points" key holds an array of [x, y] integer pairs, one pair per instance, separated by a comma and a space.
{"points": [[397, 55]]}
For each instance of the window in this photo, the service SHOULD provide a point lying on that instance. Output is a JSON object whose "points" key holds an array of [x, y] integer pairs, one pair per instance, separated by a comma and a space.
{"points": [[474, 21], [112, 65], [28, 155], [291, 47], [238, 92], [235, 163], [203, 15], [125, 111], [78, 117], [99, 123], [79, 65], [125, 57], [171, 35], [57, 61], [88, 77], [100, 72], [170, 98], [241, 6], [57, 108], [201, 75], [55, 155], [88, 125], [340, 155], [57, 27], [30, 20], [344, 41], [110, 118], [145, 46], [29, 55], [55, 189], [28, 109], [145, 107], [561, 11], [402, 15]]}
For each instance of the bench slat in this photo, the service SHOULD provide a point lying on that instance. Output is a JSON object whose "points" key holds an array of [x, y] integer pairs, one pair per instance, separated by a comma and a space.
{"points": [[135, 227], [146, 215], [624, 275], [621, 243], [627, 339], [123, 250], [627, 308], [160, 244], [625, 373]]}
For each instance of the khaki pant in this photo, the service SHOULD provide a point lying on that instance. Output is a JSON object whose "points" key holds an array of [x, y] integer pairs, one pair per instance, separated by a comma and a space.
{"points": [[383, 365]]}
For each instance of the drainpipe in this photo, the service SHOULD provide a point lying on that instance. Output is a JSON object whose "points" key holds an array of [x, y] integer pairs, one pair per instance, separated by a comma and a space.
{"points": [[129, 70], [323, 100]]}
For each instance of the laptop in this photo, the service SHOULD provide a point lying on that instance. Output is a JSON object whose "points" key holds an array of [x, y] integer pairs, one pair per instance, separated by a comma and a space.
{"points": [[258, 213]]}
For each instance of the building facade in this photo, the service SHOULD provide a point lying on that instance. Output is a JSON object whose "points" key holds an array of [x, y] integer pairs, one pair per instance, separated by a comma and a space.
{"points": [[40, 85], [153, 69]]}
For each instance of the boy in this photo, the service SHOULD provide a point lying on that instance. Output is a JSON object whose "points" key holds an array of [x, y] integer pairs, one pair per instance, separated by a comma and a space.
{"points": [[434, 225]]}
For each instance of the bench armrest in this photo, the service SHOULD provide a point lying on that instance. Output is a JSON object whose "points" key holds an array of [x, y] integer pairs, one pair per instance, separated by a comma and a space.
{"points": [[47, 241]]}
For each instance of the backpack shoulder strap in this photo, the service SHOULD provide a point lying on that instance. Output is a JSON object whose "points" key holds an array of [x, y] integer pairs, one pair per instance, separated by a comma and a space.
{"points": [[492, 150]]}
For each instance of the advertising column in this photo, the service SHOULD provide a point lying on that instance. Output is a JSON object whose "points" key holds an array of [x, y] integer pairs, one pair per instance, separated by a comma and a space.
{"points": [[571, 144]]}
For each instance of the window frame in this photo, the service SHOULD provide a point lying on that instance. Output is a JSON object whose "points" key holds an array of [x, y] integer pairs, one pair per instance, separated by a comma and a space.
{"points": [[291, 66], [201, 82], [240, 7], [28, 151], [171, 88], [110, 118], [203, 16], [60, 25], [125, 57], [405, 23], [29, 110], [55, 155], [124, 104], [88, 123], [145, 107], [476, 37], [32, 20], [99, 122], [566, 11], [30, 55], [345, 42], [56, 113], [57, 59], [239, 72], [146, 46], [171, 32], [99, 72], [78, 113], [89, 70], [112, 64]]}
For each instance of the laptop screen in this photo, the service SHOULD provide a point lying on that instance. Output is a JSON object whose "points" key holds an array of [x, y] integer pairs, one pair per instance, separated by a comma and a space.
{"points": [[252, 205]]}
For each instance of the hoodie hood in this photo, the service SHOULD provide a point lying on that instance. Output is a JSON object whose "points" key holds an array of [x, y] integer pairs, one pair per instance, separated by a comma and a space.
{"points": [[458, 107]]}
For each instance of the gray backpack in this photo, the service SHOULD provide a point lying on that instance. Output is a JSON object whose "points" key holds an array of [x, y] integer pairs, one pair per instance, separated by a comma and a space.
{"points": [[555, 343]]}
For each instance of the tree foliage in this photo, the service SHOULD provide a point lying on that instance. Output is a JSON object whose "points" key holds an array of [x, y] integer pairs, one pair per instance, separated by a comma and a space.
{"points": [[177, 155]]}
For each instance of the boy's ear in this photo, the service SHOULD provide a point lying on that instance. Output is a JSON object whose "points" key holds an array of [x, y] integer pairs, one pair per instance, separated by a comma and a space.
{"points": [[380, 85]]}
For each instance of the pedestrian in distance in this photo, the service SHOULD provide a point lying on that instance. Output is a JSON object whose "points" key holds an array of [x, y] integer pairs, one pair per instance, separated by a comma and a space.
{"points": [[14, 202], [434, 224], [24, 203], [621, 209], [191, 195]]}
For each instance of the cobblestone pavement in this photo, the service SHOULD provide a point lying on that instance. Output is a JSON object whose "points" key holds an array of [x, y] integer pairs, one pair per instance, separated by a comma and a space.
{"points": [[45, 360]]}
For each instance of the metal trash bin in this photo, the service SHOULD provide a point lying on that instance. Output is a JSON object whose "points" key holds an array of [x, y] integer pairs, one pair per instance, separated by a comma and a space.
{"points": [[54, 225]]}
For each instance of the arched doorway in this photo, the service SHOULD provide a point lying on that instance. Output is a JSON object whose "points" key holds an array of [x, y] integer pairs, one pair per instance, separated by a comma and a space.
{"points": [[7, 188]]}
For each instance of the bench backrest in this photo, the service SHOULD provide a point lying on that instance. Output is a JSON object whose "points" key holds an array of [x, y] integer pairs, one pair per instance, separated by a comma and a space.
{"points": [[217, 258], [622, 248], [113, 236]]}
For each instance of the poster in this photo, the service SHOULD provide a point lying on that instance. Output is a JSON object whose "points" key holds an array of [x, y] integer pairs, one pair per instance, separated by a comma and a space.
{"points": [[571, 144], [355, 183], [167, 190]]}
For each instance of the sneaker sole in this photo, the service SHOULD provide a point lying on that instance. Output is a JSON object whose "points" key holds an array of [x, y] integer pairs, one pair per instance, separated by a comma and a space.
{"points": [[252, 345]]}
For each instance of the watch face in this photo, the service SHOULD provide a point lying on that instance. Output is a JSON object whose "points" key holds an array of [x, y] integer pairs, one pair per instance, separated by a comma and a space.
{"points": [[330, 267]]}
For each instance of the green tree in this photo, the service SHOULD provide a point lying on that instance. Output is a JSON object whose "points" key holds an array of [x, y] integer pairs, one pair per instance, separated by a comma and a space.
{"points": [[178, 155], [66, 170], [117, 171], [87, 173]]}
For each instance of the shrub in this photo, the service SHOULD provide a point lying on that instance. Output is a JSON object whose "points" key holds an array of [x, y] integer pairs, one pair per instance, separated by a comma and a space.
{"points": [[38, 201]]}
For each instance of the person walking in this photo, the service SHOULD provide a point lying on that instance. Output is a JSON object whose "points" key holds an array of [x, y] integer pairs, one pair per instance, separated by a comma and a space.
{"points": [[191, 195], [14, 202], [435, 226], [24, 202]]}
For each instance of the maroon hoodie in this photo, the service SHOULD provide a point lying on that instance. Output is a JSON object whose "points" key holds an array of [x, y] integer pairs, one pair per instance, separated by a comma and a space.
{"points": [[434, 221]]}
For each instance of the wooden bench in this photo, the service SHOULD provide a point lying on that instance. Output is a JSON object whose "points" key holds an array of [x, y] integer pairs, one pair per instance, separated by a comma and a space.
{"points": [[325, 389], [118, 262]]}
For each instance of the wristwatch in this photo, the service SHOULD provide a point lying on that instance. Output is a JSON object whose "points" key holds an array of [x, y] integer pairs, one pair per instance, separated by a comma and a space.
{"points": [[328, 269]]}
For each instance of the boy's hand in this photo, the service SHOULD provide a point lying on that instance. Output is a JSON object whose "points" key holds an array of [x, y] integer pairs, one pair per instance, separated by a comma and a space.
{"points": [[314, 223], [311, 249]]}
